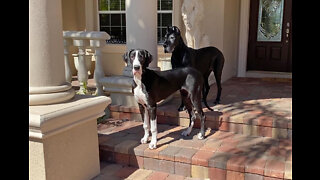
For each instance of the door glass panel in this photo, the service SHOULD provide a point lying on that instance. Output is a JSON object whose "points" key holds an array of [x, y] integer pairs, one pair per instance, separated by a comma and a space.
{"points": [[270, 20]]}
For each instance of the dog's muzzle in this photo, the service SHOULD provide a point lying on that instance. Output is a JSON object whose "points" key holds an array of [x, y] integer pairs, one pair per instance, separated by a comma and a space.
{"points": [[136, 67], [165, 48]]}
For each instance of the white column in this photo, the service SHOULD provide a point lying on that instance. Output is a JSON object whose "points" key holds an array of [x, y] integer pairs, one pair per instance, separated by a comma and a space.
{"points": [[243, 37], [141, 22], [67, 43], [47, 82]]}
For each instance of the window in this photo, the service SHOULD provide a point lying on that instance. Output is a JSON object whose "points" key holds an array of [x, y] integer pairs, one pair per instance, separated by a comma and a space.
{"points": [[112, 19], [164, 18]]}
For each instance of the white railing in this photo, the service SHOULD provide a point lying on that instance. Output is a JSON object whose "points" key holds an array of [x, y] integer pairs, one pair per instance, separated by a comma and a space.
{"points": [[83, 40]]}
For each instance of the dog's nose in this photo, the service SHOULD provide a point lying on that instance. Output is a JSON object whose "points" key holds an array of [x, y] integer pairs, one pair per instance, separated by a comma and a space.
{"points": [[164, 45], [136, 67]]}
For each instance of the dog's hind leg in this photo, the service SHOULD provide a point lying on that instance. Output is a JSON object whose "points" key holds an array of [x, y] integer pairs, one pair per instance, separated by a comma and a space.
{"points": [[197, 104], [217, 74], [205, 90], [146, 123], [192, 115]]}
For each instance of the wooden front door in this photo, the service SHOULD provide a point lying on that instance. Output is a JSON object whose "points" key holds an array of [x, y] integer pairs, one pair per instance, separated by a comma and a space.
{"points": [[270, 41]]}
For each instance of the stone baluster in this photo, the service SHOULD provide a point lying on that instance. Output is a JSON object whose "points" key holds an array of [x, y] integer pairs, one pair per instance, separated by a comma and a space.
{"points": [[82, 69], [67, 43], [98, 72]]}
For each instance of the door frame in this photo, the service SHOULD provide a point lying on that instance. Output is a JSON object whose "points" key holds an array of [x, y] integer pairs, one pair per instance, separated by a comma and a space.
{"points": [[243, 40]]}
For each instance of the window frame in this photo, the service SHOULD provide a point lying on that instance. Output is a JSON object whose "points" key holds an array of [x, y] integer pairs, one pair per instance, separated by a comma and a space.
{"points": [[125, 12]]}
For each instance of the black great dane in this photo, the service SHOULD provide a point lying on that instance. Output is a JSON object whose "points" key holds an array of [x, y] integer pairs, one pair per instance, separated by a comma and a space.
{"points": [[150, 87], [205, 60]]}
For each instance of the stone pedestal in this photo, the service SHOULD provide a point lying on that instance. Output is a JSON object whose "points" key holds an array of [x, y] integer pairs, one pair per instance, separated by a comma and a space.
{"points": [[63, 141]]}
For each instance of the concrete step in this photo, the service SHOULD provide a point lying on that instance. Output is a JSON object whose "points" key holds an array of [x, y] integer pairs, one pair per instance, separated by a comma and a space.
{"points": [[221, 155]]}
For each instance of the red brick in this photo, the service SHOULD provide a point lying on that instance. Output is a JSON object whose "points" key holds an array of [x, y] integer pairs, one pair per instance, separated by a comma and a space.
{"points": [[201, 158], [157, 175], [185, 155], [166, 166], [114, 108], [237, 163], [232, 175], [265, 131], [154, 153], [125, 172], [135, 110], [175, 177], [151, 164], [125, 115], [224, 126], [211, 145], [169, 153], [271, 178], [248, 176], [114, 115], [219, 160], [274, 168], [124, 108], [106, 155], [265, 121], [136, 161], [122, 159], [182, 169], [255, 166], [217, 174]]}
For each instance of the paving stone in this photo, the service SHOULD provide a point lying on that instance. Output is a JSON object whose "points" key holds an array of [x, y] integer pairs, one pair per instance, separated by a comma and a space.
{"points": [[154, 153], [182, 169], [248, 176], [217, 174], [157, 175], [136, 161], [139, 174], [175, 177], [169, 153], [219, 160], [274, 168], [255, 166], [288, 170], [237, 163], [233, 175], [202, 157], [151, 164], [121, 158], [125, 172], [125, 146], [185, 155], [199, 172], [166, 166]]}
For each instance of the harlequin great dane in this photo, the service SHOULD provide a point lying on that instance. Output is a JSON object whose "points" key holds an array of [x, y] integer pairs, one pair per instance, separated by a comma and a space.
{"points": [[150, 87], [205, 60]]}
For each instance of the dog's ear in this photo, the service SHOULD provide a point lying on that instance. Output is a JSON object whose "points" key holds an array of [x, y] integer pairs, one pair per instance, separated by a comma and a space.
{"points": [[147, 56], [176, 30], [126, 56], [168, 29]]}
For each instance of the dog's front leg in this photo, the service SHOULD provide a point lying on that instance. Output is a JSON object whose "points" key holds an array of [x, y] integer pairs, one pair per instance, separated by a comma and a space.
{"points": [[146, 124], [153, 120]]}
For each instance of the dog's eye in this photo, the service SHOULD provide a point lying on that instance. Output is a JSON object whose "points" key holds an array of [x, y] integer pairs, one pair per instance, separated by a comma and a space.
{"points": [[171, 37]]}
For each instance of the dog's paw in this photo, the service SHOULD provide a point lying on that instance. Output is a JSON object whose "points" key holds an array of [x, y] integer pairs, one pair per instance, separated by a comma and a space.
{"points": [[181, 108], [144, 140], [152, 145], [185, 133], [200, 136]]}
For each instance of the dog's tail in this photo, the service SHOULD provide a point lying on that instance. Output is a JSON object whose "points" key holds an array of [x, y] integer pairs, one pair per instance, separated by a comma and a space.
{"points": [[205, 103]]}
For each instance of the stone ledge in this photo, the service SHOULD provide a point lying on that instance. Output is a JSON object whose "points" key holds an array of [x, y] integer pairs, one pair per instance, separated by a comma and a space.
{"points": [[45, 120]]}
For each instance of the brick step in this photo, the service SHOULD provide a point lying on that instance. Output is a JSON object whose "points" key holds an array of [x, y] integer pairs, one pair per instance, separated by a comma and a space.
{"points": [[252, 118], [118, 171], [221, 155]]}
